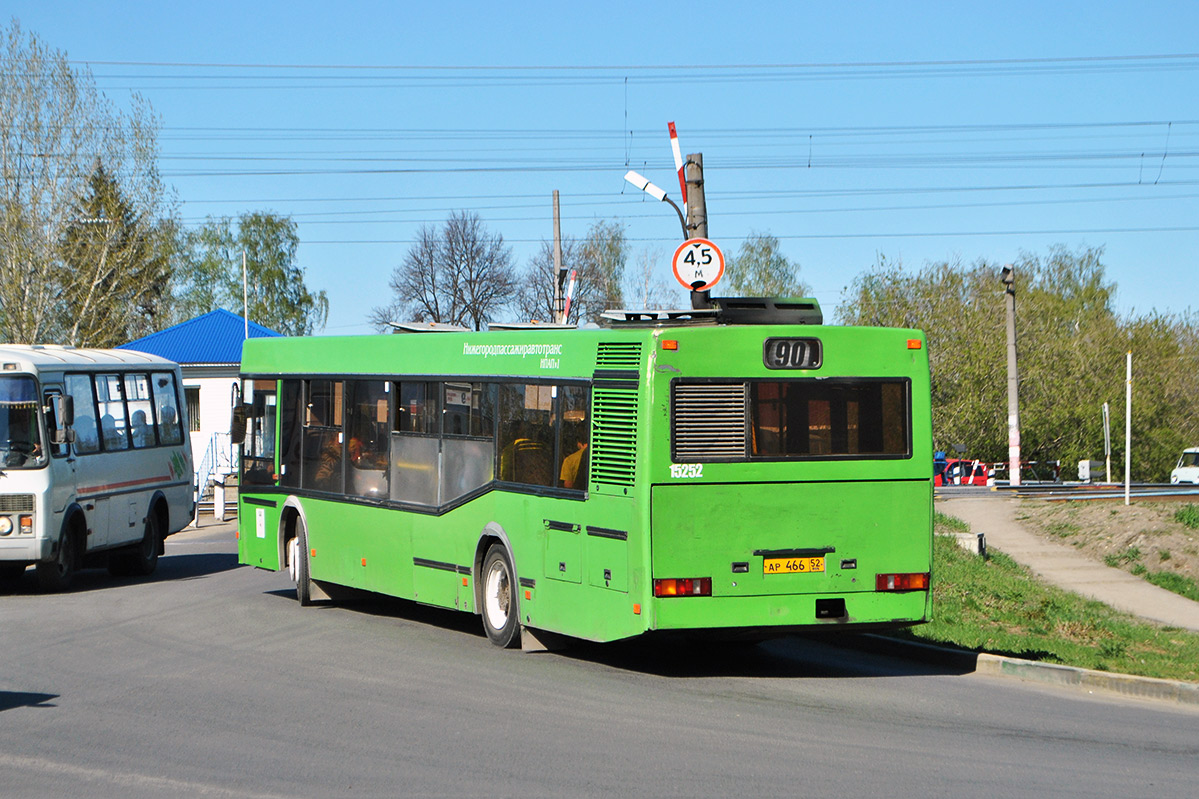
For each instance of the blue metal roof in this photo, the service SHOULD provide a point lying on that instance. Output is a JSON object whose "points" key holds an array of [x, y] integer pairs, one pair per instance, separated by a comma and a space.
{"points": [[216, 337]]}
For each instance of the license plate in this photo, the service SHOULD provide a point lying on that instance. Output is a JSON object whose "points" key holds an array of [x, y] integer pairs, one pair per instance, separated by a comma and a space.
{"points": [[792, 565]]}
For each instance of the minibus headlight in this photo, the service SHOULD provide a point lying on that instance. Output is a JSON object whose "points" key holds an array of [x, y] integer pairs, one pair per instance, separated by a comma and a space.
{"points": [[5, 525]]}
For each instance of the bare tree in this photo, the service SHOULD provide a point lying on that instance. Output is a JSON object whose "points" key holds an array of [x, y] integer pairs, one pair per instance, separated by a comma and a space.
{"points": [[54, 128], [598, 261], [535, 293], [461, 274]]}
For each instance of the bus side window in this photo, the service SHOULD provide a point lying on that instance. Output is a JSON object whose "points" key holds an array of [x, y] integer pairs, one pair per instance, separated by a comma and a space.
{"points": [[141, 415], [166, 404], [574, 455], [468, 444], [87, 439], [51, 410], [291, 432], [324, 446], [258, 447], [526, 434], [415, 445], [114, 427], [367, 427]]}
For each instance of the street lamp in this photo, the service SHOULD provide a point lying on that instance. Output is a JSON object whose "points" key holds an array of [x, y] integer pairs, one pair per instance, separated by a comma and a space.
{"points": [[649, 188]]}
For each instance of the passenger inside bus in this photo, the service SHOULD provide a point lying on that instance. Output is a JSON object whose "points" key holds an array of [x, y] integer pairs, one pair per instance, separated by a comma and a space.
{"points": [[575, 466]]}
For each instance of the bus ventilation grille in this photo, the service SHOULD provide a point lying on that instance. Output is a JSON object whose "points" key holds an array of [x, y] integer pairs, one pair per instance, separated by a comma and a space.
{"points": [[614, 417], [614, 355], [709, 421], [16, 503]]}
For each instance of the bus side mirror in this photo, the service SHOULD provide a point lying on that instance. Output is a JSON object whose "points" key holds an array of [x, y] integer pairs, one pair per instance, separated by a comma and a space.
{"points": [[237, 426], [64, 414]]}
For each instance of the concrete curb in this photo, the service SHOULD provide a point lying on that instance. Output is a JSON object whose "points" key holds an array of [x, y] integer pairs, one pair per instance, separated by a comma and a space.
{"points": [[1185, 693]]}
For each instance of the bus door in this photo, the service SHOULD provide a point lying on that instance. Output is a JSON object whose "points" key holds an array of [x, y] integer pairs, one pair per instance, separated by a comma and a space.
{"points": [[92, 466], [62, 460]]}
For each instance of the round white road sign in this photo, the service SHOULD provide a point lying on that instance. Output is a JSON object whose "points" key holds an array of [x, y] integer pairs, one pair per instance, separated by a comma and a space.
{"points": [[698, 264]]}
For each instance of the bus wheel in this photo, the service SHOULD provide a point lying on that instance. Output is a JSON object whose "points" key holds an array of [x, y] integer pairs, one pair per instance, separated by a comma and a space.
{"points": [[298, 566], [140, 559], [143, 559], [501, 611], [57, 574]]}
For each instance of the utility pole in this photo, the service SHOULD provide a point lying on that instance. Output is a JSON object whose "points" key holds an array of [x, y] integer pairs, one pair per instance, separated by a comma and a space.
{"points": [[559, 272], [697, 216], [1013, 379], [245, 294], [1128, 431], [697, 210]]}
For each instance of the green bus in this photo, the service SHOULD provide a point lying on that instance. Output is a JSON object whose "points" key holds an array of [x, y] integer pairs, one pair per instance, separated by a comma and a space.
{"points": [[739, 472]]}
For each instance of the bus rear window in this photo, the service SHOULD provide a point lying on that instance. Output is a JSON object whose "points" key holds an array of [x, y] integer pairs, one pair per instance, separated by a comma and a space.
{"points": [[810, 418], [791, 419]]}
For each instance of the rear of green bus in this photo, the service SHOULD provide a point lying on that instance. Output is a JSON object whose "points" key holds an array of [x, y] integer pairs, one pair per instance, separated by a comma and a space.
{"points": [[791, 479]]}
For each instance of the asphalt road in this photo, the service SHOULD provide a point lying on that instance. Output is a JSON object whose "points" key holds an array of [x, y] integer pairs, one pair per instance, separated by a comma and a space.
{"points": [[209, 680]]}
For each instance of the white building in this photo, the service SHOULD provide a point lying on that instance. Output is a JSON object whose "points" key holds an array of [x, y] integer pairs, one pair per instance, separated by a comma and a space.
{"points": [[209, 350]]}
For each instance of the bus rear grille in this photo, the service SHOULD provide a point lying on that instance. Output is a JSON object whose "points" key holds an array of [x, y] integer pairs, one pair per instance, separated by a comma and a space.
{"points": [[618, 355], [614, 435], [709, 421], [16, 503]]}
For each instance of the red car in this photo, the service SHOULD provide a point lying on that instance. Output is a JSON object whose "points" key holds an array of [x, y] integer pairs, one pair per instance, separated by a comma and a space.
{"points": [[957, 472]]}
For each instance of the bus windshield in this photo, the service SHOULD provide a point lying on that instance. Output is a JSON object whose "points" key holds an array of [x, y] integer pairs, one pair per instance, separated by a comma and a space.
{"points": [[20, 438]]}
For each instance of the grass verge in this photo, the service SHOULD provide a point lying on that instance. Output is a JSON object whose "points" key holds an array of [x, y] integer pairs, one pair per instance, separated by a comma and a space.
{"points": [[996, 605]]}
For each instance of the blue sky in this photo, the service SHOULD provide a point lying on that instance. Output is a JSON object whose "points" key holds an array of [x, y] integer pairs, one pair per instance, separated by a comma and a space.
{"points": [[923, 132]]}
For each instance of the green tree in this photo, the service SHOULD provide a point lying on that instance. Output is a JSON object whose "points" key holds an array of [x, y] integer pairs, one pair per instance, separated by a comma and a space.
{"points": [[760, 270], [115, 267], [209, 274], [1071, 349], [55, 127], [604, 253]]}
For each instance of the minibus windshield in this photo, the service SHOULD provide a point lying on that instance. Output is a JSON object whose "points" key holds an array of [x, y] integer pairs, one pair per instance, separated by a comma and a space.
{"points": [[20, 436]]}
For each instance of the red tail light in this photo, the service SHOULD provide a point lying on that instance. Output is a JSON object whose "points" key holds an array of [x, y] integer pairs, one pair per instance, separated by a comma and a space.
{"points": [[901, 582], [690, 586]]}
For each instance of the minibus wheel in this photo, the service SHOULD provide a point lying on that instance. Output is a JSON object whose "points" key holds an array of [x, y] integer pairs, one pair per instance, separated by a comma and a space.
{"points": [[144, 558], [56, 575]]}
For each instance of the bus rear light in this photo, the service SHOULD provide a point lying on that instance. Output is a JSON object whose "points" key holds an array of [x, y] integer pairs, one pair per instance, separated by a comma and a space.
{"points": [[901, 582], [688, 586], [26, 525]]}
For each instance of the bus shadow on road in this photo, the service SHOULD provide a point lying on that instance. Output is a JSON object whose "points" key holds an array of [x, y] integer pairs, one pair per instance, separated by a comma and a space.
{"points": [[406, 610], [14, 699], [792, 656], [96, 578]]}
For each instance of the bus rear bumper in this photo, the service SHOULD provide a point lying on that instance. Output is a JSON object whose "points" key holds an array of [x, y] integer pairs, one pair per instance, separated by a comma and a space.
{"points": [[854, 612]]}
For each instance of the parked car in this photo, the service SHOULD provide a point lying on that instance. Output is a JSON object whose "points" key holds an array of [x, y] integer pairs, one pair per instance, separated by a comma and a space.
{"points": [[954, 472], [1187, 470]]}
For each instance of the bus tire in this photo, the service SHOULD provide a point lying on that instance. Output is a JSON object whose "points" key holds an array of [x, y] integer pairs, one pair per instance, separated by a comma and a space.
{"points": [[56, 575], [501, 606], [143, 559], [299, 564], [140, 559]]}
